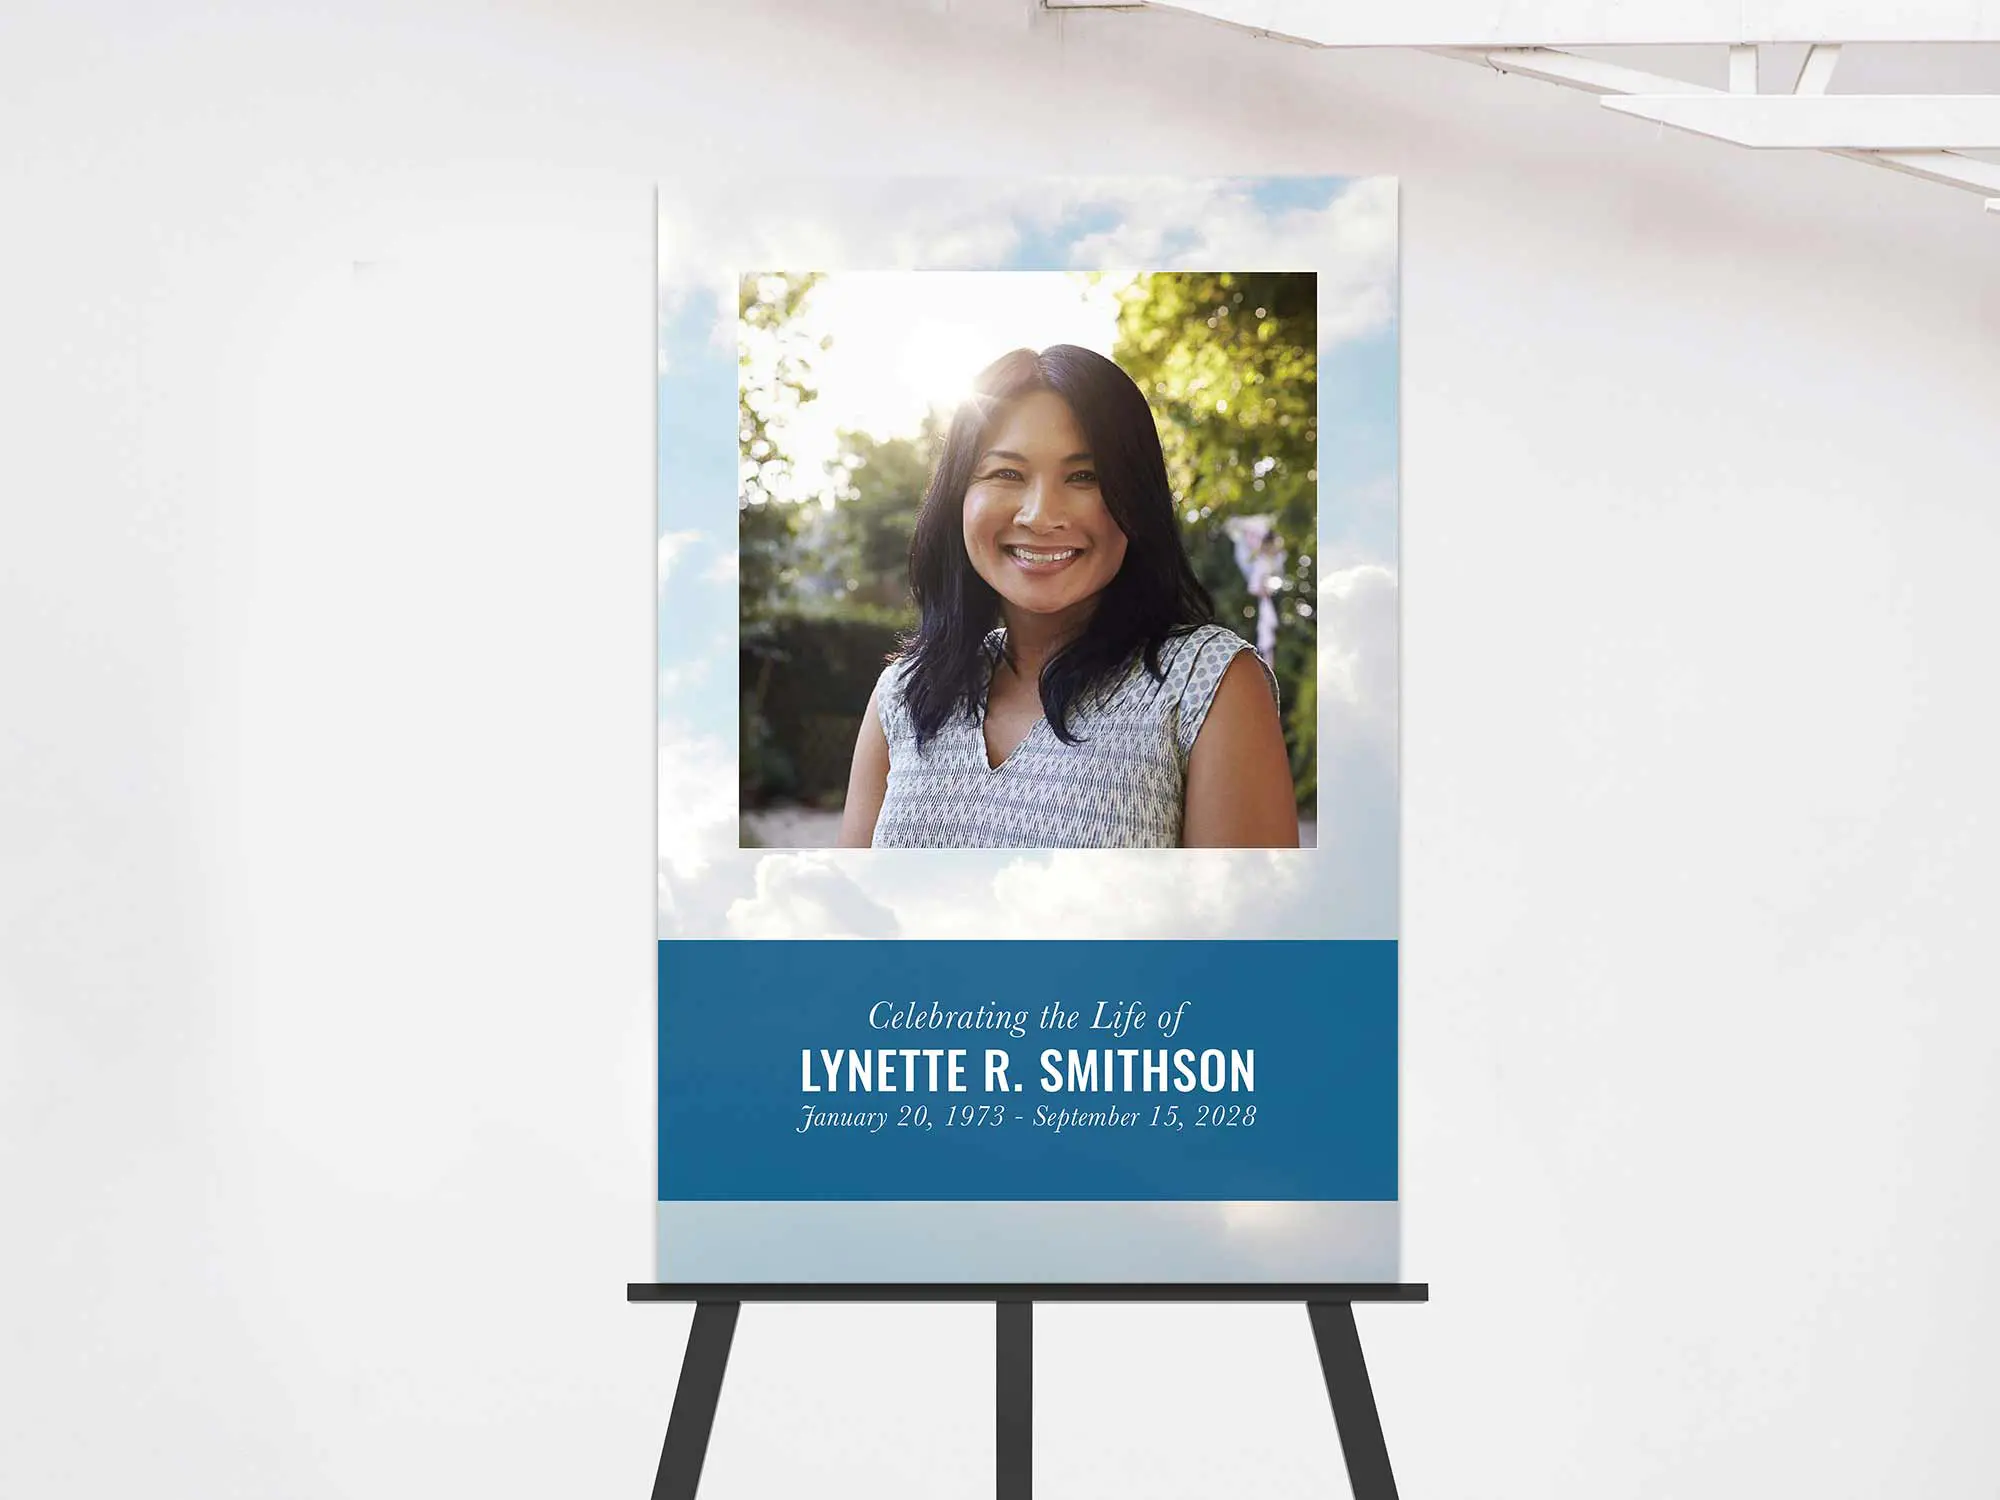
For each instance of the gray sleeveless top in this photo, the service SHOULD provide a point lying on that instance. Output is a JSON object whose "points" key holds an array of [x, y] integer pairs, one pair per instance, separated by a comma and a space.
{"points": [[1121, 788]]}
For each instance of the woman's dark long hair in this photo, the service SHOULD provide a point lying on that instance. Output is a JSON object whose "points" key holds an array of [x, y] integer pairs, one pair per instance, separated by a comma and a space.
{"points": [[1153, 596]]}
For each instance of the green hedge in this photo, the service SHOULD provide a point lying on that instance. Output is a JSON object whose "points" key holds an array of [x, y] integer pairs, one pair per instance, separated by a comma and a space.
{"points": [[805, 682]]}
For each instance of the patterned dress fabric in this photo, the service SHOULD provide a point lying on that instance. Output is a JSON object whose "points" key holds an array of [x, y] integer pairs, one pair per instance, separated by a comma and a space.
{"points": [[1122, 787]]}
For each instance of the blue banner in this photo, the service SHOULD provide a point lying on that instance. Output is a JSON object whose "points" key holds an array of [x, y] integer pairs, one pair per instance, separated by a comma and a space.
{"points": [[905, 1070]]}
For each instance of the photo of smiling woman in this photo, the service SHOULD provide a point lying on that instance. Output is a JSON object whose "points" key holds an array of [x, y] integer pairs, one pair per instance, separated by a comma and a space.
{"points": [[1066, 685]]}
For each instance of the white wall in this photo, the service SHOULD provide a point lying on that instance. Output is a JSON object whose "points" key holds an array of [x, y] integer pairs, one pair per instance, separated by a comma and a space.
{"points": [[325, 770]]}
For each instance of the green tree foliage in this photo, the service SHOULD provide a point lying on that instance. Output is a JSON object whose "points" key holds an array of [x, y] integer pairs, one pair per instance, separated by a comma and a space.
{"points": [[881, 488], [775, 363], [775, 378], [1230, 364]]}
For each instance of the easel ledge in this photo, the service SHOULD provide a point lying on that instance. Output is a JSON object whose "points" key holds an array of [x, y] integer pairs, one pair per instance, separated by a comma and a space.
{"points": [[1028, 1291], [1329, 1305]]}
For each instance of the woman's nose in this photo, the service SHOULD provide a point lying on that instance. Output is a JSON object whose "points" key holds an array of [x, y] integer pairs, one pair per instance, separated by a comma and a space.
{"points": [[1039, 508]]}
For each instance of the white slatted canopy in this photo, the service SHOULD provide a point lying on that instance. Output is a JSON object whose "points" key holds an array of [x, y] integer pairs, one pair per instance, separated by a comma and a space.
{"points": [[1595, 23], [1855, 122], [1922, 135]]}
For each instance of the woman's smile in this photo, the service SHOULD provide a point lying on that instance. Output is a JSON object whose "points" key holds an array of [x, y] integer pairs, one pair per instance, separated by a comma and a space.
{"points": [[1041, 559]]}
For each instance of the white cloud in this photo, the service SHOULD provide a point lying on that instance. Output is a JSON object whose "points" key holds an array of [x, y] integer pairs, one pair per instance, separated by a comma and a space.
{"points": [[808, 895], [722, 570], [725, 327], [1135, 894], [1097, 893], [672, 545], [681, 676], [972, 223], [697, 800], [686, 281], [1350, 243], [825, 223], [1358, 659], [1359, 779], [1345, 891]]}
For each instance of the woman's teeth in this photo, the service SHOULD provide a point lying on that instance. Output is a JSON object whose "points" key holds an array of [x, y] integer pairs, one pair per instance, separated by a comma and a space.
{"points": [[1028, 555]]}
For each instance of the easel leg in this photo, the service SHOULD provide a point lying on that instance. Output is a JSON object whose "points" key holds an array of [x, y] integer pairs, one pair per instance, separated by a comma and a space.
{"points": [[1353, 1400], [694, 1400], [1014, 1400]]}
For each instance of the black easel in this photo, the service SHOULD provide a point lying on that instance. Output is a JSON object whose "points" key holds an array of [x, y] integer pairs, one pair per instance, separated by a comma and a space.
{"points": [[700, 1387], [1330, 1308]]}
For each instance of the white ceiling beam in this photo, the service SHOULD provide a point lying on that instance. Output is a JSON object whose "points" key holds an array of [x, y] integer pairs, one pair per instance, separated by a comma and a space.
{"points": [[1595, 23], [1829, 122], [1743, 70], [1960, 20], [1593, 77], [1935, 166], [1816, 72], [1587, 74]]}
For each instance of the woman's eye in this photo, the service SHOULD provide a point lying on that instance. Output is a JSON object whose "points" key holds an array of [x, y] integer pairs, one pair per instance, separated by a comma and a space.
{"points": [[1004, 474], [1084, 476]]}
